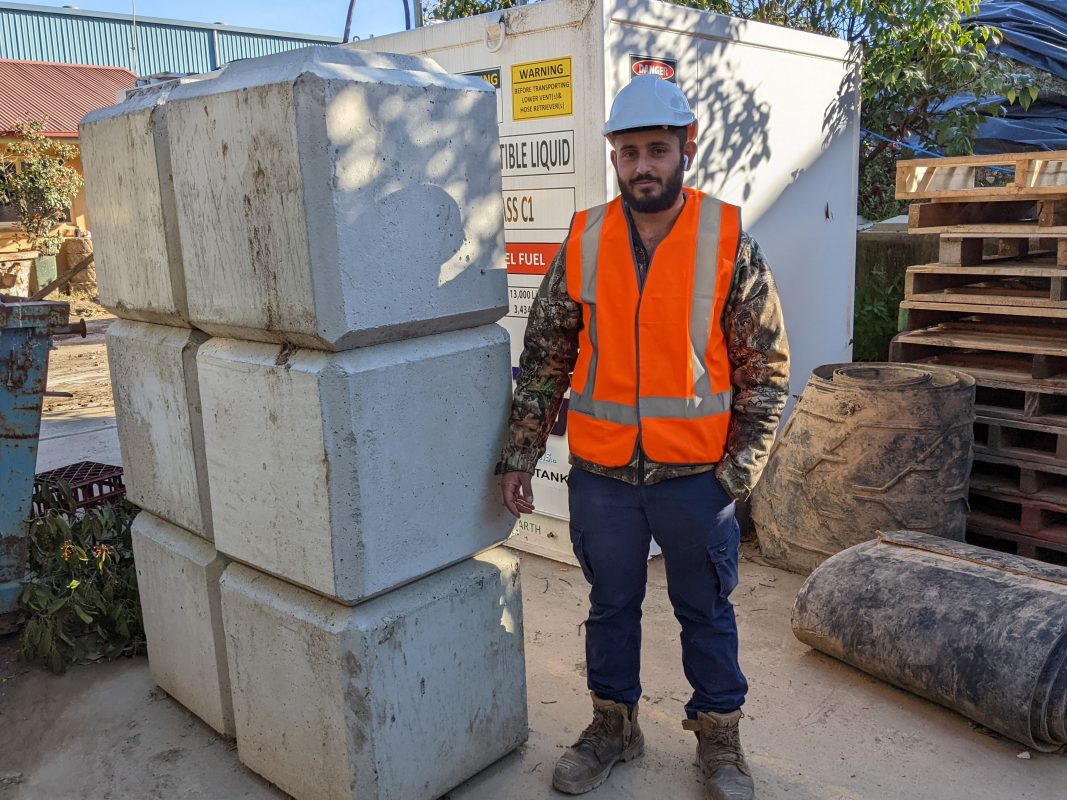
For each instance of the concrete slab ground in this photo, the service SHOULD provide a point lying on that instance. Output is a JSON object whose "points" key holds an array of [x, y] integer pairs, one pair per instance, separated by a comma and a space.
{"points": [[817, 729]]}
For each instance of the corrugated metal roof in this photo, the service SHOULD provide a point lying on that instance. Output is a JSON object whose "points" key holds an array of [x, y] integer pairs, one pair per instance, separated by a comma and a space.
{"points": [[72, 36], [64, 93]]}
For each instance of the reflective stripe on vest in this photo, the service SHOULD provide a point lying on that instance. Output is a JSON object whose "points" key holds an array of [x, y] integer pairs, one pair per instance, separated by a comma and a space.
{"points": [[652, 361]]}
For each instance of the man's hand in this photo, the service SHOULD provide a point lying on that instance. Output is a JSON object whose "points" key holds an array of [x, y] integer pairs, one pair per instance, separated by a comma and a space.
{"points": [[518, 494]]}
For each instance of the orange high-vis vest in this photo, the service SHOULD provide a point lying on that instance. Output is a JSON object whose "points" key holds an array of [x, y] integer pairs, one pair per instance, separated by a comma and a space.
{"points": [[652, 366]]}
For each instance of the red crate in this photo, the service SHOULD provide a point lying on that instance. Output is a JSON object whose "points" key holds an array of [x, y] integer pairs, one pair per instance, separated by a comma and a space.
{"points": [[91, 484]]}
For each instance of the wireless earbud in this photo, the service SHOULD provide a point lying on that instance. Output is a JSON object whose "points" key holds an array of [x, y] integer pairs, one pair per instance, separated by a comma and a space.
{"points": [[685, 163]]}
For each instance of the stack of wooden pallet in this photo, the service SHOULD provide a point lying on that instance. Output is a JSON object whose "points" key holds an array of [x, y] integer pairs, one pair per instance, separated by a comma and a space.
{"points": [[995, 306]]}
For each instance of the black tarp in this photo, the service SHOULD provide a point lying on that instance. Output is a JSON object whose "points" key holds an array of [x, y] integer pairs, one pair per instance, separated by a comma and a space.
{"points": [[1035, 31]]}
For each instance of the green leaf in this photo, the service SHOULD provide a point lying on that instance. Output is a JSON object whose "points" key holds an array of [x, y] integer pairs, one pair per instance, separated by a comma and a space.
{"points": [[82, 615], [74, 584]]}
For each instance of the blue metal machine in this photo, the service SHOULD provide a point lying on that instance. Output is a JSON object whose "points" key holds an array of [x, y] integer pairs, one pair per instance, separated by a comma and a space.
{"points": [[26, 330]]}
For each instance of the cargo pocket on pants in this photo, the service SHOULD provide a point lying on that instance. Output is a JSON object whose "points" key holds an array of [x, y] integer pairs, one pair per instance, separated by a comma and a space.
{"points": [[724, 558], [578, 545]]}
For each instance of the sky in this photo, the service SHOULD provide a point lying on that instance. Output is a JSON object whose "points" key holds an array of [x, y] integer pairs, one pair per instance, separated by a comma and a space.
{"points": [[322, 17]]}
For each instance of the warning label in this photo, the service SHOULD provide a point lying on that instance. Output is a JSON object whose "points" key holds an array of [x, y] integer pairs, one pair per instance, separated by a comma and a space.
{"points": [[541, 89], [530, 258], [492, 77]]}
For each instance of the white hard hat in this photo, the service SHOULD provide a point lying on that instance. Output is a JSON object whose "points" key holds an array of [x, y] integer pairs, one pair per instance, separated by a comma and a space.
{"points": [[647, 101]]}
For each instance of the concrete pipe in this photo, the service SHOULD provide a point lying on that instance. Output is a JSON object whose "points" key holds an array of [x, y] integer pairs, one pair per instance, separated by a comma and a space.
{"points": [[981, 632], [869, 448]]}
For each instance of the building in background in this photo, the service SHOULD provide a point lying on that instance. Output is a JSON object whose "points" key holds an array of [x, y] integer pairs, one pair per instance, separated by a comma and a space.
{"points": [[143, 45], [61, 94], [62, 63]]}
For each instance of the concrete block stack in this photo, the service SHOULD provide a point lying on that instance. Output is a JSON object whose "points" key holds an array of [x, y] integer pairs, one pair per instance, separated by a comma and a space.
{"points": [[334, 219]]}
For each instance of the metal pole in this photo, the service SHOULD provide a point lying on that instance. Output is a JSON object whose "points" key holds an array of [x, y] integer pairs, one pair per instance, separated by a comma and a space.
{"points": [[420, 19], [348, 21], [407, 15]]}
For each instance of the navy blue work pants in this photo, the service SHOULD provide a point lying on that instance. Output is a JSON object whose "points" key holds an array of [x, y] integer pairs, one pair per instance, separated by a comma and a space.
{"points": [[692, 520]]}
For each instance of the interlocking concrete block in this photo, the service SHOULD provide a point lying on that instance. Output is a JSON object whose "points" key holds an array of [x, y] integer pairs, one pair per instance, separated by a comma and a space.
{"points": [[157, 409], [333, 198], [130, 192], [400, 698], [178, 575], [352, 473]]}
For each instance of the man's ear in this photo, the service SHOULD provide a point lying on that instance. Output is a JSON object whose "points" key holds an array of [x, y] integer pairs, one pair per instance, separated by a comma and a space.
{"points": [[690, 152], [614, 159]]}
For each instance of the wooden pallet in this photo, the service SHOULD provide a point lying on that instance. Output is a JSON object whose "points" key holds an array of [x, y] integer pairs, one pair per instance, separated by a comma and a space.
{"points": [[1033, 176], [1021, 477], [994, 537], [1022, 440], [1032, 284], [1028, 516], [1045, 217], [971, 251], [925, 314], [1037, 351]]}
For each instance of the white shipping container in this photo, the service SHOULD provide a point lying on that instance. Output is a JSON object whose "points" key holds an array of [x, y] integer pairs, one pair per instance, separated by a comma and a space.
{"points": [[778, 115]]}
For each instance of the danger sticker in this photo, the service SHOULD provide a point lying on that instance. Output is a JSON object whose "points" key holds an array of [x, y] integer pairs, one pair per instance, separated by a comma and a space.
{"points": [[666, 68], [541, 89]]}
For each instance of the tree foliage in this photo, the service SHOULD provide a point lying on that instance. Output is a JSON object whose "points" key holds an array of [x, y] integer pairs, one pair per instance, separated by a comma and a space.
{"points": [[35, 179], [916, 55], [461, 9]]}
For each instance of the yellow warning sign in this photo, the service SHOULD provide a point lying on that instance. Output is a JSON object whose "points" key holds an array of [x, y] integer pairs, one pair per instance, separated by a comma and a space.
{"points": [[541, 89]]}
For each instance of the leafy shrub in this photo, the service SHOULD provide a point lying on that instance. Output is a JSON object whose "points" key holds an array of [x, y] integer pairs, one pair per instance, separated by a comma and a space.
{"points": [[878, 297], [81, 597]]}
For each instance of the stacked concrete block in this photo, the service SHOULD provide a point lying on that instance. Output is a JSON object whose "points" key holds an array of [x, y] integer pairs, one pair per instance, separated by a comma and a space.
{"points": [[405, 696], [152, 354], [128, 185], [160, 426], [333, 198], [351, 473], [178, 575], [334, 218]]}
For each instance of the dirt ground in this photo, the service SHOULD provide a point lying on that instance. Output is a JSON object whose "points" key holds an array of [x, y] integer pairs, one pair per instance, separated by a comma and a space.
{"points": [[816, 729], [79, 366]]}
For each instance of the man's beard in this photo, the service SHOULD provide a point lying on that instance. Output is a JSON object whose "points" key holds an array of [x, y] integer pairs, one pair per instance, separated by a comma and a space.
{"points": [[655, 203]]}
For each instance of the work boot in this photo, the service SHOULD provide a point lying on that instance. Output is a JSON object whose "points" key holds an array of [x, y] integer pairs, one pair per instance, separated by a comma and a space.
{"points": [[612, 736], [726, 773]]}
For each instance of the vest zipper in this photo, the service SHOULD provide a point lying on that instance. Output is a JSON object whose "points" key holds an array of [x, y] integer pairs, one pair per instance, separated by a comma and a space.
{"points": [[637, 344]]}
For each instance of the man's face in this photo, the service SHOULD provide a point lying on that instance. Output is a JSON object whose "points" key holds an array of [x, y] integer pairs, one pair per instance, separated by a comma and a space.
{"points": [[649, 168]]}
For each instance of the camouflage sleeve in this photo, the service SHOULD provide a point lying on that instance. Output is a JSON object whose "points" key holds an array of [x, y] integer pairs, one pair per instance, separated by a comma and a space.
{"points": [[759, 359], [548, 357]]}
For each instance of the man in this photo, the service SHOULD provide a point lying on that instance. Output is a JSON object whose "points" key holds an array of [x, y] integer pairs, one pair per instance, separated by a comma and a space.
{"points": [[668, 318]]}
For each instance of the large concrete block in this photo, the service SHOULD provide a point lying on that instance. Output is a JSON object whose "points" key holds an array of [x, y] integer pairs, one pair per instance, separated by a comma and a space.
{"points": [[352, 473], [400, 698], [157, 409], [333, 198], [130, 192], [178, 575]]}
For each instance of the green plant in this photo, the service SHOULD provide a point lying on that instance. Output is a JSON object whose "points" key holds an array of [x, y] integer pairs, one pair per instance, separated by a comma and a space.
{"points": [[877, 190], [878, 296], [36, 181], [81, 596]]}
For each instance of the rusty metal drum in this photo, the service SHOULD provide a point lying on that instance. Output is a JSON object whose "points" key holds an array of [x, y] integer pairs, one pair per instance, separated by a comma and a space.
{"points": [[869, 447]]}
